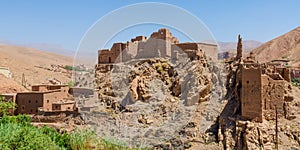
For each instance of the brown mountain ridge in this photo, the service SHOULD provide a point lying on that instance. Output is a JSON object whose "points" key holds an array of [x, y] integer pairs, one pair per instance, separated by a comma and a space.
{"points": [[286, 46]]}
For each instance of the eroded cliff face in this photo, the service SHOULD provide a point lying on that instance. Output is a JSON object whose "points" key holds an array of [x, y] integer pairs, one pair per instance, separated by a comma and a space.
{"points": [[158, 102], [163, 104]]}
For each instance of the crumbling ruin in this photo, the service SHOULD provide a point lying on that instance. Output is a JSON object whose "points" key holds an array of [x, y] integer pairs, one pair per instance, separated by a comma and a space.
{"points": [[160, 44], [257, 93], [261, 88]]}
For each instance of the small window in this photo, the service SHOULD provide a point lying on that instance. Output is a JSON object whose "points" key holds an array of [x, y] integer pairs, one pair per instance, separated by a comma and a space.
{"points": [[56, 106], [247, 81], [69, 107], [36, 101], [23, 108], [29, 101], [47, 100]]}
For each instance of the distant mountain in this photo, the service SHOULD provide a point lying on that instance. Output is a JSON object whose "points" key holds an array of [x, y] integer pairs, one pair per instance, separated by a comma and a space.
{"points": [[228, 49], [286, 46], [247, 46]]}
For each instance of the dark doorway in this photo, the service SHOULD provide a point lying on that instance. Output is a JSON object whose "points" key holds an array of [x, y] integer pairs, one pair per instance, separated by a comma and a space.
{"points": [[109, 60]]}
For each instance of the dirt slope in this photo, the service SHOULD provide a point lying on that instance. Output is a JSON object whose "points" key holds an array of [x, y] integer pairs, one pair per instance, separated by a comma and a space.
{"points": [[286, 46], [33, 63], [9, 86]]}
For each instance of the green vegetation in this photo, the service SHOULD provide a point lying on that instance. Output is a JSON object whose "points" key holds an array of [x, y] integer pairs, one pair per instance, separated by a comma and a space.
{"points": [[296, 81], [71, 68], [5, 107], [165, 65], [16, 132], [71, 84], [159, 68]]}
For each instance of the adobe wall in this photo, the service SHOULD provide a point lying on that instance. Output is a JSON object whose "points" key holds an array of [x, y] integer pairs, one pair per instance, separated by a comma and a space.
{"points": [[86, 92], [50, 98], [139, 38], [251, 97], [130, 51], [185, 46], [285, 73], [28, 103], [295, 73], [273, 95], [210, 50], [63, 107], [154, 48], [41, 88], [164, 34]]}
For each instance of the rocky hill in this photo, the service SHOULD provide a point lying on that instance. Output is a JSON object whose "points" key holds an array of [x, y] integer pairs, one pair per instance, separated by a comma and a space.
{"points": [[155, 101], [286, 46], [37, 66]]}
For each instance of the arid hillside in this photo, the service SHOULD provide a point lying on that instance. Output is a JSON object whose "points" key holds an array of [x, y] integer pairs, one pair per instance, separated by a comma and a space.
{"points": [[286, 46], [37, 66], [9, 86]]}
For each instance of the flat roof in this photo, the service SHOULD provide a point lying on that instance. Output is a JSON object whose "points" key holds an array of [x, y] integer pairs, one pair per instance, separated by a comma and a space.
{"points": [[8, 94], [81, 88], [39, 92], [197, 43]]}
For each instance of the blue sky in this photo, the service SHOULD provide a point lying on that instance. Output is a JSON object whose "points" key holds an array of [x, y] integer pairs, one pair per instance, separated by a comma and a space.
{"points": [[65, 22]]}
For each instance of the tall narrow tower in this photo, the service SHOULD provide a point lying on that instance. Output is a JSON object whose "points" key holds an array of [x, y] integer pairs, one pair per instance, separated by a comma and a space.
{"points": [[239, 49]]}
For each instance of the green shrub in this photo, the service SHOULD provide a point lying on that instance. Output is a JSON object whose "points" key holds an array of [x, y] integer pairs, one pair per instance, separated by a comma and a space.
{"points": [[296, 81], [159, 68], [6, 106], [71, 68], [111, 144], [20, 119], [164, 65], [83, 139], [19, 137], [71, 84], [16, 132]]}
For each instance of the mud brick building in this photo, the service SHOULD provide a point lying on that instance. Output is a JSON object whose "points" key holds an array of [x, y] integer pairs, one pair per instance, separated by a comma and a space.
{"points": [[263, 88], [160, 44], [44, 98], [295, 73]]}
